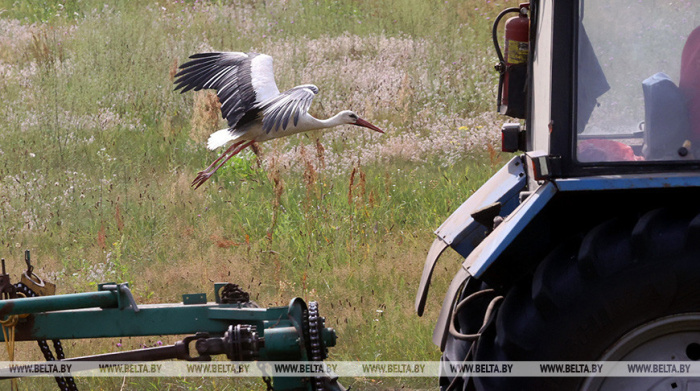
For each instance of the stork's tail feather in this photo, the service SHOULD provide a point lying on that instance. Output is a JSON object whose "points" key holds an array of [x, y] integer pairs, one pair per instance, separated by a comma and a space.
{"points": [[220, 138]]}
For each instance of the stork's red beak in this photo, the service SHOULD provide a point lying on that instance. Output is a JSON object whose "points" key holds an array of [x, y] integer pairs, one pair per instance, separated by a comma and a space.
{"points": [[363, 123]]}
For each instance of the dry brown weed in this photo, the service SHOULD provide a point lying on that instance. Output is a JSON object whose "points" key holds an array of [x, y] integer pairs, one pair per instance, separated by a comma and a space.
{"points": [[206, 114]]}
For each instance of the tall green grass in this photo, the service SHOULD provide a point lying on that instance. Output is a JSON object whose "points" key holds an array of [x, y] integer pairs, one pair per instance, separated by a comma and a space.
{"points": [[97, 154]]}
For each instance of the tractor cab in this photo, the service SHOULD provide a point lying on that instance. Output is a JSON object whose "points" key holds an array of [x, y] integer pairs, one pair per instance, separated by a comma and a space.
{"points": [[612, 87]]}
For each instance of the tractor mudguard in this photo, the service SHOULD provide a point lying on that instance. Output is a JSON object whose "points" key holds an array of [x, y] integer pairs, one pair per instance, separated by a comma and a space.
{"points": [[488, 251], [461, 232]]}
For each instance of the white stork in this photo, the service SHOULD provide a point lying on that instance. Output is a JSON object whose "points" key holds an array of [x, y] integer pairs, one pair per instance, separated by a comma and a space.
{"points": [[251, 103]]}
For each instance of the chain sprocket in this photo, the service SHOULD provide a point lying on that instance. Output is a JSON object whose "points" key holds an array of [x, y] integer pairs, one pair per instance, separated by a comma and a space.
{"points": [[316, 325], [316, 348]]}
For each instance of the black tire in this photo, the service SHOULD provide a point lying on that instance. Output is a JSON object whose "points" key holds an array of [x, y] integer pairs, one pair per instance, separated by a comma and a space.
{"points": [[592, 290]]}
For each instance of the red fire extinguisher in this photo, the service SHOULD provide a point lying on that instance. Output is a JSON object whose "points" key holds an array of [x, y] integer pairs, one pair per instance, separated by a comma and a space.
{"points": [[513, 66]]}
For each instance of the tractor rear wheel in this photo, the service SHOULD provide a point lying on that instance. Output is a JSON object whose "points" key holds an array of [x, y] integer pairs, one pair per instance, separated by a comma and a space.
{"points": [[628, 290]]}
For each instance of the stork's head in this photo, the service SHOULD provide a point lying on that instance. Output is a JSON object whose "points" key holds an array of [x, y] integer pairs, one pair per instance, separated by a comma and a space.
{"points": [[351, 118]]}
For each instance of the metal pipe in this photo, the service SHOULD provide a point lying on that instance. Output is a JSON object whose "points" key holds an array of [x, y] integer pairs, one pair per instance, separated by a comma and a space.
{"points": [[31, 305], [149, 354]]}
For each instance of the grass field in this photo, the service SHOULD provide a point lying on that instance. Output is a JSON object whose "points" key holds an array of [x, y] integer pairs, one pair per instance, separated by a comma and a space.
{"points": [[97, 154]]}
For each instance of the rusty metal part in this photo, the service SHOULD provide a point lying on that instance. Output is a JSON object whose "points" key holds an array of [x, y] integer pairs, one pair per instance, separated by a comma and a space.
{"points": [[36, 284], [7, 290]]}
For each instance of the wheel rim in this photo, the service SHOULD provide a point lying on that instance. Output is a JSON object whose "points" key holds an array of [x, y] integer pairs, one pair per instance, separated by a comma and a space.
{"points": [[671, 338]]}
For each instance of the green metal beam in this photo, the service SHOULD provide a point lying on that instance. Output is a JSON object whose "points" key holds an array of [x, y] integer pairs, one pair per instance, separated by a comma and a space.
{"points": [[57, 303], [156, 319]]}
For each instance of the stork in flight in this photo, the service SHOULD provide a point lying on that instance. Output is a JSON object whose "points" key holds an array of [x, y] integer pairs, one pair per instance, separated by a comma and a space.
{"points": [[251, 103]]}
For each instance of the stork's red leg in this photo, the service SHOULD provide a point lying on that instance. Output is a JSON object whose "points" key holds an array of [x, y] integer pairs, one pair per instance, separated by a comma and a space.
{"points": [[204, 175], [208, 169], [229, 149]]}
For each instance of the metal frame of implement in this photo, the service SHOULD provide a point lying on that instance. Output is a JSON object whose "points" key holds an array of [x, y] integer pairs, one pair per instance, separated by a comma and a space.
{"points": [[241, 331]]}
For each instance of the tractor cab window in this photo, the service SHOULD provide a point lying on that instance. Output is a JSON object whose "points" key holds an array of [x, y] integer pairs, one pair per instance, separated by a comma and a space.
{"points": [[638, 81]]}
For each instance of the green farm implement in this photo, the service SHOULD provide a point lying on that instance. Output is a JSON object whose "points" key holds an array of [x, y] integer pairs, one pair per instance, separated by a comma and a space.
{"points": [[232, 327]]}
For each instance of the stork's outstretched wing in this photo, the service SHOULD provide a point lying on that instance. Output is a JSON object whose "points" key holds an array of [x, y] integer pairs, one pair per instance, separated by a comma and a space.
{"points": [[242, 81], [290, 104]]}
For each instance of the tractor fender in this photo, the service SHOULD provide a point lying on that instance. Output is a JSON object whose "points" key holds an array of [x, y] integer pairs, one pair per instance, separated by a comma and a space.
{"points": [[461, 232], [489, 250]]}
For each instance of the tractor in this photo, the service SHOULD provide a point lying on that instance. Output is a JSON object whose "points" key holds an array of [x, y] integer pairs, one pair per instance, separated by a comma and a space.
{"points": [[585, 246]]}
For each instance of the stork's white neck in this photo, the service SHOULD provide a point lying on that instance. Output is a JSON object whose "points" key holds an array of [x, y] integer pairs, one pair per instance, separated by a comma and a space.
{"points": [[333, 121]]}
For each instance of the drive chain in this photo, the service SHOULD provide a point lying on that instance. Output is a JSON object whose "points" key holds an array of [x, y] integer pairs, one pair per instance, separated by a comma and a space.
{"points": [[64, 383]]}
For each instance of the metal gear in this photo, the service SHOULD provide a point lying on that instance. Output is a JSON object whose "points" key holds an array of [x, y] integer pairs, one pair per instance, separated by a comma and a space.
{"points": [[316, 348], [316, 325]]}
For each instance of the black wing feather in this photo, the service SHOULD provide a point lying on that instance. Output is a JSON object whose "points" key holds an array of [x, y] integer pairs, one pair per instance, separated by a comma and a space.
{"points": [[218, 70]]}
